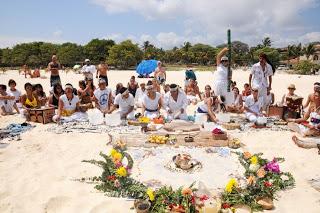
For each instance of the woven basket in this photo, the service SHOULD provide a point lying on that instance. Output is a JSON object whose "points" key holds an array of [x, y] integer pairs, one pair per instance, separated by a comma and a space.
{"points": [[223, 136], [231, 126]]}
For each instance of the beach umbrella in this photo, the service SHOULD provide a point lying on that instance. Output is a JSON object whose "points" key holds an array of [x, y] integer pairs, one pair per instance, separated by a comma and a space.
{"points": [[147, 67], [77, 66]]}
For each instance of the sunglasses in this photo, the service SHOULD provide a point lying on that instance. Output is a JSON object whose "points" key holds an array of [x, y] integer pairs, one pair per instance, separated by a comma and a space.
{"points": [[254, 90], [224, 61]]}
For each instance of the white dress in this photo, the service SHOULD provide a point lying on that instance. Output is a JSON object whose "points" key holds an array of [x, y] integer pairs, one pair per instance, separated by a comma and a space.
{"points": [[151, 106], [176, 106], [125, 105], [139, 96], [253, 106], [220, 84]]}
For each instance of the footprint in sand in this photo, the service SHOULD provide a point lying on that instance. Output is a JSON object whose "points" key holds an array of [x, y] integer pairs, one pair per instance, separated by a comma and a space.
{"points": [[57, 204], [107, 206]]}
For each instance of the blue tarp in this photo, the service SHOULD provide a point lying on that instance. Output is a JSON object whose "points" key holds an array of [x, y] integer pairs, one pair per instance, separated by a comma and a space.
{"points": [[147, 67]]}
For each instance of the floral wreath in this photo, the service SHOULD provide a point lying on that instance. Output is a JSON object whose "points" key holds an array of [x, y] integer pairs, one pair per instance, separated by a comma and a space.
{"points": [[264, 180]]}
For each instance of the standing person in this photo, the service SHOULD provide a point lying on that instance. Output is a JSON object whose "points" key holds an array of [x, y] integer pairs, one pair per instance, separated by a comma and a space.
{"points": [[14, 92], [160, 74], [175, 103], [7, 102], [125, 102], [54, 67], [269, 100], [152, 102], [102, 70], [103, 97], [189, 74], [88, 70], [133, 86], [221, 80], [261, 76]]}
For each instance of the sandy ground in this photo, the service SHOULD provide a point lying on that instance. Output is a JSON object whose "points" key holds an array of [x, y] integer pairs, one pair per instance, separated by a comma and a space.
{"points": [[37, 174]]}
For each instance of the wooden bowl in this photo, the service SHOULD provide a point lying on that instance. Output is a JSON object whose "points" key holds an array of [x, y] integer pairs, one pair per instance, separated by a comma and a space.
{"points": [[188, 139]]}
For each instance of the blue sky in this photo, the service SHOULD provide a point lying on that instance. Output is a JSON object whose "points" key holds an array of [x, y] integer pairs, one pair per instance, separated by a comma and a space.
{"points": [[166, 23]]}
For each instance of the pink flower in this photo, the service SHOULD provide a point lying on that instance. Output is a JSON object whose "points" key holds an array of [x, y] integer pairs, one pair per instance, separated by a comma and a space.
{"points": [[117, 183], [204, 198], [272, 166], [118, 164]]}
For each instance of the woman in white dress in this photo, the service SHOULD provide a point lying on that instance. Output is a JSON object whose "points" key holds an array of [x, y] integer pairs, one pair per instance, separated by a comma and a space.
{"points": [[237, 104], [151, 102], [68, 107]]}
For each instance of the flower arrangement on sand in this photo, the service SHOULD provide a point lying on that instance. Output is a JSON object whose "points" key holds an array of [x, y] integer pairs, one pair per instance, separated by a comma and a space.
{"points": [[264, 179]]}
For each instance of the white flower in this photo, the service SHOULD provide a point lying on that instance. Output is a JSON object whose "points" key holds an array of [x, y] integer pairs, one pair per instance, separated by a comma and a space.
{"points": [[284, 177], [254, 167]]}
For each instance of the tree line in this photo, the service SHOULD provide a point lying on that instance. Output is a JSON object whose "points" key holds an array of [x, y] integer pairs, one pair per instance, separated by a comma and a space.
{"points": [[127, 54]]}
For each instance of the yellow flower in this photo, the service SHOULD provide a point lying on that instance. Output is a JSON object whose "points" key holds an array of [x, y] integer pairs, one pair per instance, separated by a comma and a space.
{"points": [[122, 172], [231, 184], [254, 160], [117, 157], [144, 120], [113, 152], [150, 193]]}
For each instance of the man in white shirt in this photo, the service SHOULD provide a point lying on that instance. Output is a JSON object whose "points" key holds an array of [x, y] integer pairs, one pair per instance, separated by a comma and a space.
{"points": [[88, 70], [103, 97], [261, 76], [175, 103], [125, 102], [141, 91], [253, 106]]}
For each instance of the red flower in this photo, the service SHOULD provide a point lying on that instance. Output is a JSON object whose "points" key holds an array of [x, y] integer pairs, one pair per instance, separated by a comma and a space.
{"points": [[267, 184], [204, 198], [226, 205], [193, 199], [111, 178]]}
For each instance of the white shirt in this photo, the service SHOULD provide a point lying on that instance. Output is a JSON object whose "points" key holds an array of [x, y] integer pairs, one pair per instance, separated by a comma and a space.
{"points": [[140, 94], [124, 104], [88, 70], [260, 77], [103, 97], [16, 94], [221, 75], [174, 106], [151, 104], [69, 105], [252, 105]]}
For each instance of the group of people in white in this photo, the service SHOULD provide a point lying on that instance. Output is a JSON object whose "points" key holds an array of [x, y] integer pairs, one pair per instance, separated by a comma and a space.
{"points": [[147, 98]]}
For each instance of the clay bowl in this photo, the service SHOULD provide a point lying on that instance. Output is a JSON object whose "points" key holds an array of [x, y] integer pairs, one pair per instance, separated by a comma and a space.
{"points": [[188, 139]]}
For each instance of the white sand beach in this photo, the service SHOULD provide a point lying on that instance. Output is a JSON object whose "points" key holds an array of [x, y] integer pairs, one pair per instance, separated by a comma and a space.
{"points": [[39, 173]]}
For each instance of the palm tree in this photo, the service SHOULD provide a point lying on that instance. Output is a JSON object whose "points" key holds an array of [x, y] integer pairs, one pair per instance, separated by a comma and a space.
{"points": [[186, 46], [309, 50], [266, 42], [145, 45]]}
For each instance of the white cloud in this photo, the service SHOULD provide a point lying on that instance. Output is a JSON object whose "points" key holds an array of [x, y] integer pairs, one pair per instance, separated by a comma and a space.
{"points": [[10, 41], [249, 20]]}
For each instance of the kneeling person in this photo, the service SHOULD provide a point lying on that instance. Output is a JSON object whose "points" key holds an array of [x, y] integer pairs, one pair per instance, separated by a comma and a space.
{"points": [[125, 102], [175, 103], [253, 106]]}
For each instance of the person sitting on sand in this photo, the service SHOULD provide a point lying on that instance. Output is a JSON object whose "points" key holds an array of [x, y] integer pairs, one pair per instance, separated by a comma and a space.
{"points": [[124, 101], [292, 103], [54, 97], [156, 85], [152, 102], [7, 102], [269, 100], [102, 70], [237, 104], [103, 97], [88, 70], [210, 105], [310, 99], [29, 100], [38, 91], [141, 91], [160, 74], [85, 94], [175, 103], [166, 88], [133, 86], [36, 73], [246, 92], [14, 92], [207, 92], [253, 106], [302, 126], [192, 91], [68, 107], [117, 91]]}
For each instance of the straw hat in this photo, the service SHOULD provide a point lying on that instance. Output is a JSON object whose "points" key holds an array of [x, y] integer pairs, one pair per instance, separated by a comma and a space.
{"points": [[291, 86]]}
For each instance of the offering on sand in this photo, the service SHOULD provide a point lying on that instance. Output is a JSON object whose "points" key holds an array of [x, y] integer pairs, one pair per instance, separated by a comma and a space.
{"points": [[184, 161], [159, 139]]}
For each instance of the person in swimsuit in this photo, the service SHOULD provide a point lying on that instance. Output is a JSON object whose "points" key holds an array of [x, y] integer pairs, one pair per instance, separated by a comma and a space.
{"points": [[38, 91], [209, 106], [208, 92], [310, 99], [133, 86], [237, 105], [192, 91], [152, 102], [7, 102], [29, 100], [102, 70], [85, 94], [160, 74], [311, 128], [54, 67], [54, 98], [156, 85]]}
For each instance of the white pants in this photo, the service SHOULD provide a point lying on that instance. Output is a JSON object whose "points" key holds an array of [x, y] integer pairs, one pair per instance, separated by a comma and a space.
{"points": [[251, 117], [263, 94], [77, 116], [220, 88], [172, 116], [151, 115]]}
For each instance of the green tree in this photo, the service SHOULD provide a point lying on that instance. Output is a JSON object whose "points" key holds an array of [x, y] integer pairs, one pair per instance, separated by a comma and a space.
{"points": [[272, 54], [309, 50], [186, 46], [97, 49], [46, 52], [125, 55], [266, 42], [6, 59], [70, 53], [203, 54], [304, 67]]}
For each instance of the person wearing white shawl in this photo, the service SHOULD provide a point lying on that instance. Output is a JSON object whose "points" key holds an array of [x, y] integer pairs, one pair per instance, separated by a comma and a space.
{"points": [[151, 102], [175, 103]]}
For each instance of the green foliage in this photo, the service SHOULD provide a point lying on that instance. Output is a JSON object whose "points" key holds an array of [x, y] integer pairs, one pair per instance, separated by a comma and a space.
{"points": [[304, 67], [70, 53], [309, 50], [272, 53], [266, 42], [125, 55], [97, 49]]}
